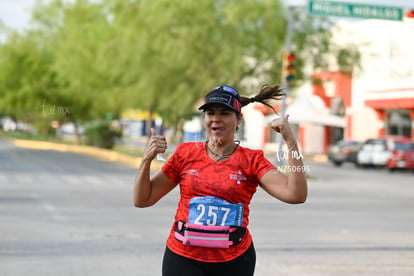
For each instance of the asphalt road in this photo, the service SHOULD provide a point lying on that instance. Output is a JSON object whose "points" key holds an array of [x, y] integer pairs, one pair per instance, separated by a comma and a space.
{"points": [[68, 214]]}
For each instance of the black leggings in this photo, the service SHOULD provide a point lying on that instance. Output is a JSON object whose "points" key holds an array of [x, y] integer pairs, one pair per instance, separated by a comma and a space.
{"points": [[176, 265]]}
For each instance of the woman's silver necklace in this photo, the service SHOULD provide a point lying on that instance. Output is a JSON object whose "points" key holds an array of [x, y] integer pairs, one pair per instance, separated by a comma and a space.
{"points": [[222, 156]]}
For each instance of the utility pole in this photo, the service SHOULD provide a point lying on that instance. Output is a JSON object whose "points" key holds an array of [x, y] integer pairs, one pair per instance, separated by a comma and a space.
{"points": [[288, 49], [285, 82]]}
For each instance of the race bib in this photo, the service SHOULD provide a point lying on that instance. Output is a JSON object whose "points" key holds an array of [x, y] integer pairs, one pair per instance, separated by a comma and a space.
{"points": [[210, 210]]}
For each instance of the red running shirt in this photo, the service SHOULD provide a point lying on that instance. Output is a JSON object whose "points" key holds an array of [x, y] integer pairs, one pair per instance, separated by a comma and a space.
{"points": [[234, 179]]}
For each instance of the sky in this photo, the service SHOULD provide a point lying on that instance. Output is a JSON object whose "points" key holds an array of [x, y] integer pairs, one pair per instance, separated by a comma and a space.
{"points": [[15, 14]]}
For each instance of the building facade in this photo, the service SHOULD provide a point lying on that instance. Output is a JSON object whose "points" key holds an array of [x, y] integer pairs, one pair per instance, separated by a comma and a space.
{"points": [[375, 101]]}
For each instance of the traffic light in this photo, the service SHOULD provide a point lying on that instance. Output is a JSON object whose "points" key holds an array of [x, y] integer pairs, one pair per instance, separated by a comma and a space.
{"points": [[409, 13], [288, 72]]}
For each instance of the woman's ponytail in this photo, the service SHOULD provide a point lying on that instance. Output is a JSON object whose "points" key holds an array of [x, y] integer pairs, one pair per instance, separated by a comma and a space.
{"points": [[266, 94]]}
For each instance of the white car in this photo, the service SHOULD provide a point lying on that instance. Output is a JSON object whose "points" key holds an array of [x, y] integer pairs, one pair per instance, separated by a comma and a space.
{"points": [[377, 152]]}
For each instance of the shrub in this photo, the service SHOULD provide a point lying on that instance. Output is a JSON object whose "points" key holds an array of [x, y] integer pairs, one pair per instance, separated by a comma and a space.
{"points": [[100, 134]]}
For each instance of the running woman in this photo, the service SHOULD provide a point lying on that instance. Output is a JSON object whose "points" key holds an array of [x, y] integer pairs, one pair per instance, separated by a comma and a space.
{"points": [[217, 179]]}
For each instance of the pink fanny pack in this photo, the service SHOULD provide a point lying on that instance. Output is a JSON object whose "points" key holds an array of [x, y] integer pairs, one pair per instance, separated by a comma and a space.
{"points": [[208, 236]]}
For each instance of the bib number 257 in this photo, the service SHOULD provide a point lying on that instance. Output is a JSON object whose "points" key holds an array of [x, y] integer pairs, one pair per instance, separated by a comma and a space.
{"points": [[209, 210], [212, 214]]}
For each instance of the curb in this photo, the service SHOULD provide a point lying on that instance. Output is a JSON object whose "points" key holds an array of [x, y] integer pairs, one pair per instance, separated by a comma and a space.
{"points": [[102, 154]]}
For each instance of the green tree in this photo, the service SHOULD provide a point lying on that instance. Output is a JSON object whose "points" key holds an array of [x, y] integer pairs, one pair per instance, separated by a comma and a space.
{"points": [[180, 49], [99, 57], [77, 34], [26, 79]]}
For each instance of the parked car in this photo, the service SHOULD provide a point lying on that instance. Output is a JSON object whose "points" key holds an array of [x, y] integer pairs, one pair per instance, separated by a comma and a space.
{"points": [[343, 151], [402, 157], [377, 152]]}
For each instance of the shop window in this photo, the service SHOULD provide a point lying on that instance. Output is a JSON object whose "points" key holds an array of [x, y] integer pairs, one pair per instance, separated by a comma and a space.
{"points": [[399, 123]]}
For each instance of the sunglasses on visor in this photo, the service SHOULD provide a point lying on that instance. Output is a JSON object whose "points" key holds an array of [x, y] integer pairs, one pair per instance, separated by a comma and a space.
{"points": [[228, 89]]}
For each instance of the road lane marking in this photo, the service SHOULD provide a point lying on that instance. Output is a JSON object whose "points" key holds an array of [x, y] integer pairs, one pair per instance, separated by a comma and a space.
{"points": [[50, 209]]}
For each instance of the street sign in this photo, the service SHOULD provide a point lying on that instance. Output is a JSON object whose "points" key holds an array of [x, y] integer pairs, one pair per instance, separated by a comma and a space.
{"points": [[343, 9]]}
